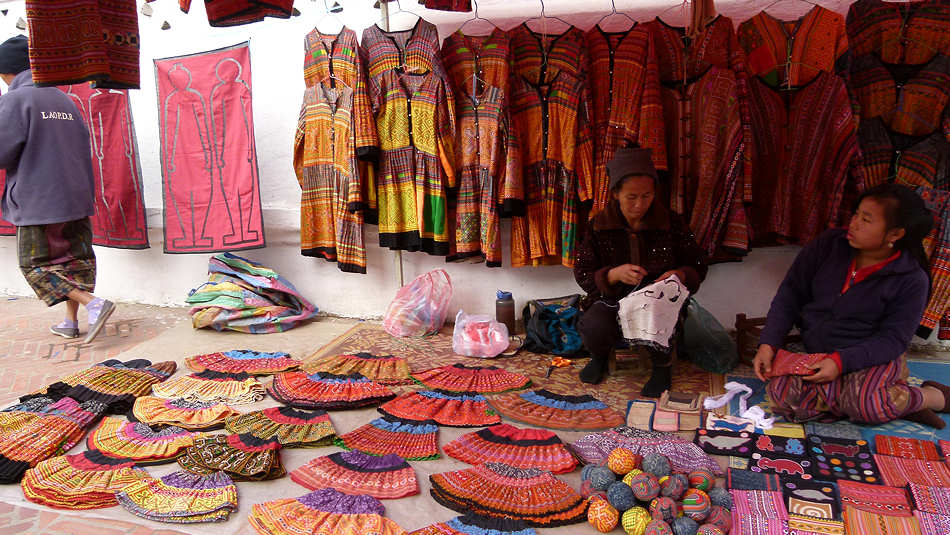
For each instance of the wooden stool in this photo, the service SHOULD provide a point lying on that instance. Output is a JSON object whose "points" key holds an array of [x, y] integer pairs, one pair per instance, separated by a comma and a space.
{"points": [[748, 331]]}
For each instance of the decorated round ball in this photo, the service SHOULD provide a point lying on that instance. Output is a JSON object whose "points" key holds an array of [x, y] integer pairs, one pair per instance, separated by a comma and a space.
{"points": [[635, 521], [645, 487], [665, 509], [721, 497], [622, 460], [674, 486], [602, 515], [684, 525], [696, 504], [585, 472], [709, 529], [656, 464], [601, 477], [631, 474], [719, 517], [657, 527], [620, 495], [702, 479]]}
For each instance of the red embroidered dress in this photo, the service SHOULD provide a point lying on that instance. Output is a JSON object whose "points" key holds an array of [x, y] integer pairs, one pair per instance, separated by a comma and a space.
{"points": [[909, 160], [625, 94], [909, 33]]}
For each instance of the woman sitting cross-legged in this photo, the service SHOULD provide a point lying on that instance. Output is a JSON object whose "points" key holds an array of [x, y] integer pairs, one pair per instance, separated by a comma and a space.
{"points": [[856, 295], [631, 243]]}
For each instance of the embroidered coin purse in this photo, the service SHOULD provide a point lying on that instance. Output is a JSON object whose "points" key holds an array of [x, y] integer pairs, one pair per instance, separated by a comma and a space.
{"points": [[788, 363]]}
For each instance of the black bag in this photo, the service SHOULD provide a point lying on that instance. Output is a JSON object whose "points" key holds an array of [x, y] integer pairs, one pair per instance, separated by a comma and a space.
{"points": [[551, 326]]}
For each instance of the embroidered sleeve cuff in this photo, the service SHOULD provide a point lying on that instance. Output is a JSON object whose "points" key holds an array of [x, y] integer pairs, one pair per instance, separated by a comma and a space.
{"points": [[600, 279]]}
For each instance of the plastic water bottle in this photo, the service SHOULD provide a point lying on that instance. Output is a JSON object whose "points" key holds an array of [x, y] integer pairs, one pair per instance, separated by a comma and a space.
{"points": [[505, 310]]}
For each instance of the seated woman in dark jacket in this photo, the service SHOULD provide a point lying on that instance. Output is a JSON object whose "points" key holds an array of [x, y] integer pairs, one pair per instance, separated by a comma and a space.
{"points": [[633, 242], [856, 295]]}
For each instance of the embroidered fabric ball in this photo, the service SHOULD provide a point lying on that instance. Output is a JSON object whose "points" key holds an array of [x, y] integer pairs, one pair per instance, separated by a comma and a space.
{"points": [[620, 495], [720, 517], [622, 461], [602, 515], [721, 497], [665, 509], [601, 477], [585, 472], [696, 504], [674, 486], [645, 487], [635, 521], [631, 474], [702, 479], [657, 527], [709, 529], [656, 464], [685, 526]]}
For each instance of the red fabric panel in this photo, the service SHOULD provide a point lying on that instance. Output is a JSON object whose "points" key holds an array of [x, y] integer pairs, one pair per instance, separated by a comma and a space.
{"points": [[120, 207], [210, 188]]}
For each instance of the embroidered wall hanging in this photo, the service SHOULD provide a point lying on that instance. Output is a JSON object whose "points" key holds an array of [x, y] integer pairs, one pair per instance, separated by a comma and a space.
{"points": [[838, 458], [210, 187], [874, 498], [725, 442], [792, 447], [913, 448], [734, 424], [898, 471], [120, 206], [812, 498], [780, 464]]}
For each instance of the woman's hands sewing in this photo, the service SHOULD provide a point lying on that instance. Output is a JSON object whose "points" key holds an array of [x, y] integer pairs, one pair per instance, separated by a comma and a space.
{"points": [[825, 370], [762, 364], [626, 273]]}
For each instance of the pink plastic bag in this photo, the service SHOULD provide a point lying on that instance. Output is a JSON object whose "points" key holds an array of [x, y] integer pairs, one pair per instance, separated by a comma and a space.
{"points": [[420, 306], [478, 335]]}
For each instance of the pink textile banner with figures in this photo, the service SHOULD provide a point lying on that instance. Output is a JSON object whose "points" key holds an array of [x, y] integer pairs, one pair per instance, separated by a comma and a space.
{"points": [[210, 180], [120, 206]]}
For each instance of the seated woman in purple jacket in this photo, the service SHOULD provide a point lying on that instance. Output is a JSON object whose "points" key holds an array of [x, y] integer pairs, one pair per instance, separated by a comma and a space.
{"points": [[857, 295], [631, 243]]}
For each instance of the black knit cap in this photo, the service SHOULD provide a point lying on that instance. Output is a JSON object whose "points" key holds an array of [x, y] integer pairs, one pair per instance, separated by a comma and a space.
{"points": [[14, 55], [628, 161]]}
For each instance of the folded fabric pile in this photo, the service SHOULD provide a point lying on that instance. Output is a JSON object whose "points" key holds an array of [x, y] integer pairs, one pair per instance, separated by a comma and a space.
{"points": [[355, 472], [192, 415], [181, 498], [243, 361], [243, 457], [547, 409], [384, 369], [135, 441], [323, 511], [291, 427], [521, 448], [453, 409], [214, 387], [413, 440], [329, 391], [87, 480], [481, 379], [477, 525]]}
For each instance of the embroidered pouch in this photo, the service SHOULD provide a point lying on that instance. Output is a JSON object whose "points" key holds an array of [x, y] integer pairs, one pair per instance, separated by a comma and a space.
{"points": [[875, 498], [788, 363], [906, 447]]}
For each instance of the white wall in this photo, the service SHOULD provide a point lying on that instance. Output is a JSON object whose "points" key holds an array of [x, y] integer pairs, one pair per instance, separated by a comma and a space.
{"points": [[150, 276]]}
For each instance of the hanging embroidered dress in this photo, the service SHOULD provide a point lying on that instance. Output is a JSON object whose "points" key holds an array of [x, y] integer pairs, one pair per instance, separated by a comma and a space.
{"points": [[908, 33], [625, 96], [792, 53], [413, 105], [910, 99], [708, 136], [908, 160], [807, 150], [488, 158], [549, 96], [938, 245]]}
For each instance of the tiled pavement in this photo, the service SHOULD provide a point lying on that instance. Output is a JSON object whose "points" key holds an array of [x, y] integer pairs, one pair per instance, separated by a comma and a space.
{"points": [[31, 357]]}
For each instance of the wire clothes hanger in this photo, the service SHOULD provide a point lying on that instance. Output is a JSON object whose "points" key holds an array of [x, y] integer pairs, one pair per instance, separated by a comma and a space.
{"points": [[476, 17], [331, 14], [613, 11], [388, 18], [545, 17]]}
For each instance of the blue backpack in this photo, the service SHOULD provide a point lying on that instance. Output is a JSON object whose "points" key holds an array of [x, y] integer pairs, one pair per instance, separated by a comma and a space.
{"points": [[551, 326]]}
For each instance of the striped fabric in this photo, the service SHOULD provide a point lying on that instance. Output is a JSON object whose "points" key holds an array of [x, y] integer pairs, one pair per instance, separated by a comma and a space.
{"points": [[236, 12], [906, 159], [807, 151], [331, 227], [758, 503], [910, 101], [488, 162], [899, 471], [809, 525], [533, 52], [415, 50], [793, 53], [873, 395], [685, 59], [74, 41], [625, 97], [860, 522], [338, 56], [907, 33], [938, 202]]}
